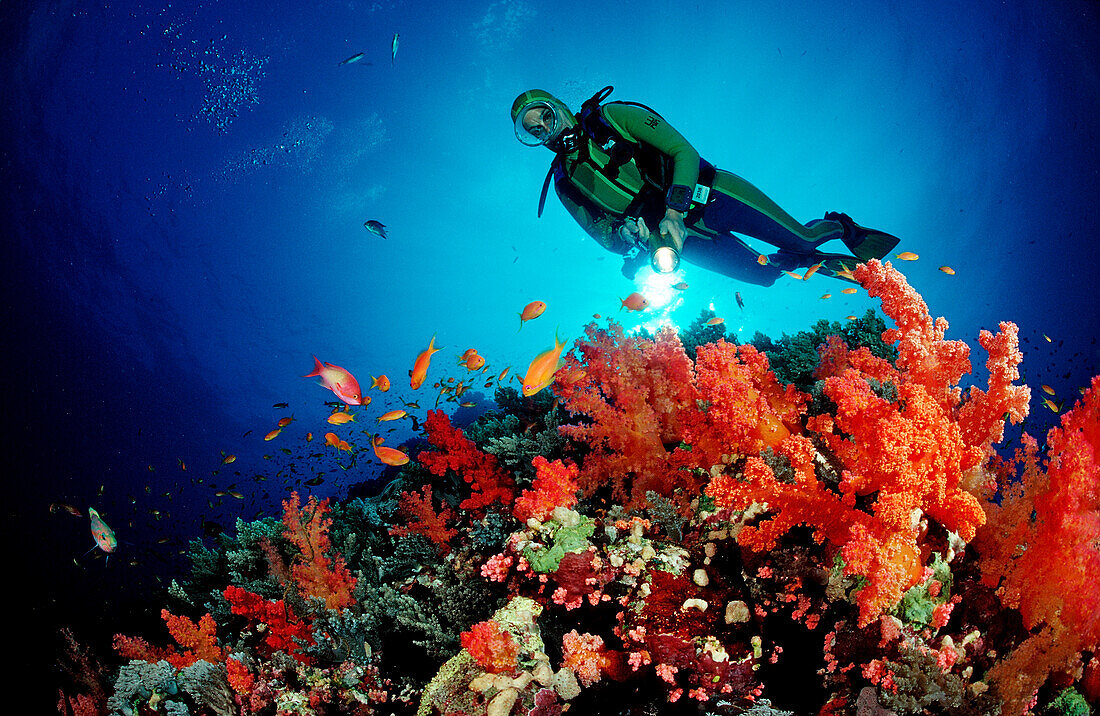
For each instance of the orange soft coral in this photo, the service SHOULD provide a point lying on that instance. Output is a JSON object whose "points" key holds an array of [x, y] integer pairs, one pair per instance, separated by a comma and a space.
{"points": [[555, 485], [316, 574]]}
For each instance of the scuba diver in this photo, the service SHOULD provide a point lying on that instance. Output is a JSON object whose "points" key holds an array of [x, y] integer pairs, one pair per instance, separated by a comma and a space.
{"points": [[643, 192]]}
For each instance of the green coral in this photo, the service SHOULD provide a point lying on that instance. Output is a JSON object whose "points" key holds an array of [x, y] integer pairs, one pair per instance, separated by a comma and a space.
{"points": [[565, 538], [1068, 703]]}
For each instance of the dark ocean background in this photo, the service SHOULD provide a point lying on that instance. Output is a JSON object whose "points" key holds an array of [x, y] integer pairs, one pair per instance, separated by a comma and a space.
{"points": [[183, 188]]}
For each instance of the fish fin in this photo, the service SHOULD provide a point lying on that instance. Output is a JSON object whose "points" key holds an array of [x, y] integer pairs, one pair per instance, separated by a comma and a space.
{"points": [[317, 367]]}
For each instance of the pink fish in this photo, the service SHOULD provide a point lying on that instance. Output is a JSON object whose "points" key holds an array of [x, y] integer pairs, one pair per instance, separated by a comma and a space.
{"points": [[338, 380]]}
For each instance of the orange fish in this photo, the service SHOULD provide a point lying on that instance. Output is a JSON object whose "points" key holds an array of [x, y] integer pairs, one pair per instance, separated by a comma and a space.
{"points": [[475, 362], [762, 260], [947, 270], [381, 382], [541, 370], [1048, 390], [851, 318], [332, 439], [309, 437], [907, 256], [420, 367], [597, 316], [389, 455], [344, 445], [634, 302], [845, 273], [183, 465], [715, 321], [392, 415], [792, 274], [849, 290], [682, 286], [338, 380], [533, 309], [228, 459], [283, 422], [503, 373], [1050, 404], [812, 270], [826, 295], [273, 434], [71, 509], [340, 418]]}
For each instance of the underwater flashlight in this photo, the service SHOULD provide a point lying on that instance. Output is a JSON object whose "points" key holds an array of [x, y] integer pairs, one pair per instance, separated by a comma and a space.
{"points": [[663, 256]]}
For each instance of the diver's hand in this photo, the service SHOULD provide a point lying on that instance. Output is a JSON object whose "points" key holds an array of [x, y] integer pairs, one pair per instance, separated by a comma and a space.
{"points": [[673, 226], [634, 231]]}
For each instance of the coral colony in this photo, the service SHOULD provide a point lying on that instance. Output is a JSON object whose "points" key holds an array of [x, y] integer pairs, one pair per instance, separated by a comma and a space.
{"points": [[680, 531]]}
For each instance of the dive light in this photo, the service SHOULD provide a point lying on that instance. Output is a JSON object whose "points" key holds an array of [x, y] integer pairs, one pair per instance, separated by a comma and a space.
{"points": [[663, 255]]}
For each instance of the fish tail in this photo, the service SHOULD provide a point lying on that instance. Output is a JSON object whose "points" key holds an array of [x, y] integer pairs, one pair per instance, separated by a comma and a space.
{"points": [[317, 368]]}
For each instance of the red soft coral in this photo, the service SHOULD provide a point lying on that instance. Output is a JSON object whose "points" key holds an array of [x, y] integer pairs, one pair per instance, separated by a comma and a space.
{"points": [[1042, 548], [283, 630], [494, 649], [924, 355], [746, 408], [423, 519], [637, 393], [555, 485], [199, 641], [316, 574], [454, 451]]}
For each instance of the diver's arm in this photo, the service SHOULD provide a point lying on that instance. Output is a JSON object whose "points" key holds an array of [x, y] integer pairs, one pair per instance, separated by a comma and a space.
{"points": [[601, 227], [639, 124]]}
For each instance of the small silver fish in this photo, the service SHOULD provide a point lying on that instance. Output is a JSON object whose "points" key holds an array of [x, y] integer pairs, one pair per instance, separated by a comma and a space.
{"points": [[375, 227], [393, 56], [354, 58]]}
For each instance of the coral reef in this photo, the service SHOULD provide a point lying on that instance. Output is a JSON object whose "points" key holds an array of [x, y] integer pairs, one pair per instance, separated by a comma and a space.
{"points": [[676, 530]]}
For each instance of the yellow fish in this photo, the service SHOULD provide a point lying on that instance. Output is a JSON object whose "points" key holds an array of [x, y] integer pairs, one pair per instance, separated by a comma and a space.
{"points": [[340, 418], [947, 270], [907, 256], [826, 295], [849, 290], [1048, 390]]}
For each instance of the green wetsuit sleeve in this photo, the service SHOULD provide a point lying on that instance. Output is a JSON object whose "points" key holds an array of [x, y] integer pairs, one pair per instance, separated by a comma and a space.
{"points": [[641, 125], [600, 226]]}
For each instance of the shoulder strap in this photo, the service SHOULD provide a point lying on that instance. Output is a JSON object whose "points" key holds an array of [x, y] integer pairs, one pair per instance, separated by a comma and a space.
{"points": [[546, 185]]}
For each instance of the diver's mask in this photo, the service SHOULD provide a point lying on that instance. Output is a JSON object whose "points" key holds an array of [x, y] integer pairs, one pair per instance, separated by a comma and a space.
{"points": [[546, 126], [663, 255]]}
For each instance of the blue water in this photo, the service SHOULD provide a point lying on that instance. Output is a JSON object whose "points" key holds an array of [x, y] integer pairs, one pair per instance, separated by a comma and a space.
{"points": [[184, 188]]}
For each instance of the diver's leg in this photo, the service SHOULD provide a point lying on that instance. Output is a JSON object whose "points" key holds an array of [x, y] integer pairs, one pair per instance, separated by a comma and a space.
{"points": [[737, 205], [729, 256]]}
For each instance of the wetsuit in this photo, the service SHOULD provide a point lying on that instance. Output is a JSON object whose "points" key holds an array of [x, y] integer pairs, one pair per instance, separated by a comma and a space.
{"points": [[626, 169]]}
